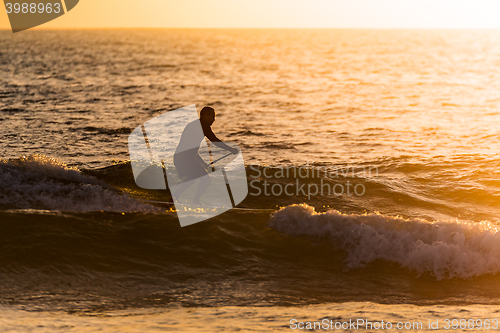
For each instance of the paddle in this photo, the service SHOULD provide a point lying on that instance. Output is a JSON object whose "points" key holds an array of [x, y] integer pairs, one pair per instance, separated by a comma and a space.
{"points": [[217, 160]]}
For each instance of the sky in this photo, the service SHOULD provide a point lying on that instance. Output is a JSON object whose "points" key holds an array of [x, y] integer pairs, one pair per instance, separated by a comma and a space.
{"points": [[277, 14]]}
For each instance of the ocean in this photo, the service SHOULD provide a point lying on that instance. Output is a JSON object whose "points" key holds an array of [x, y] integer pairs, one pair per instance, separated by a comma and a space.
{"points": [[372, 164]]}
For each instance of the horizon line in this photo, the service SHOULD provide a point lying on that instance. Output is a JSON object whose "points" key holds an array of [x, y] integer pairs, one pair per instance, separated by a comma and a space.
{"points": [[252, 28]]}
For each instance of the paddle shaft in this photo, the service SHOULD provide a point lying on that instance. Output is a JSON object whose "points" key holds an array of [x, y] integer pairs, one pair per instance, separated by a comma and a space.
{"points": [[217, 160]]}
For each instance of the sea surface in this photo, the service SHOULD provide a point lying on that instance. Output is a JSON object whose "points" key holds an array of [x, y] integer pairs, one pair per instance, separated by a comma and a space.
{"points": [[387, 140]]}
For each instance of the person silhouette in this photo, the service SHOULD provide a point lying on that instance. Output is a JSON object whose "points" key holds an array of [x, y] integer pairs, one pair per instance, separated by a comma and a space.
{"points": [[189, 164]]}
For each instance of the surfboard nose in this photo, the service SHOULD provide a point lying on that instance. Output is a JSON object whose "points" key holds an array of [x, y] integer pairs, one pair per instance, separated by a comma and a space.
{"points": [[23, 15]]}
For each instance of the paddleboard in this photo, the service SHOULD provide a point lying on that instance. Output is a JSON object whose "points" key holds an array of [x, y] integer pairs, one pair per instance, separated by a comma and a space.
{"points": [[192, 206]]}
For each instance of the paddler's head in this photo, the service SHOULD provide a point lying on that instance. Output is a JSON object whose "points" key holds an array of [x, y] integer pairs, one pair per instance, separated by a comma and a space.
{"points": [[207, 115]]}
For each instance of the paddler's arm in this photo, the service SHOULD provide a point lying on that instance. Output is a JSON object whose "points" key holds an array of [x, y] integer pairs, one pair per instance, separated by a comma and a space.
{"points": [[207, 130]]}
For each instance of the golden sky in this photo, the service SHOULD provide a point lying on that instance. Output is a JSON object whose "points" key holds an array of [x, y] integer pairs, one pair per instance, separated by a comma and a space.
{"points": [[277, 14]]}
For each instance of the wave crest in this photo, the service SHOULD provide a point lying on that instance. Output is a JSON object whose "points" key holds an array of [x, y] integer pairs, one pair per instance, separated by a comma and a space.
{"points": [[446, 249], [41, 182]]}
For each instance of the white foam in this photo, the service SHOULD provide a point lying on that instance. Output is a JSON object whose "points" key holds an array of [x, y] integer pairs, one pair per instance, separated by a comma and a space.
{"points": [[40, 182], [444, 248]]}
